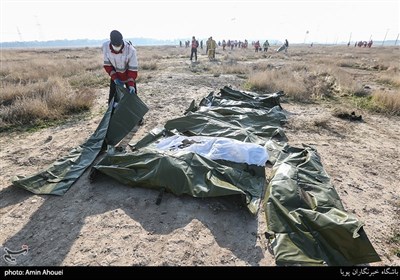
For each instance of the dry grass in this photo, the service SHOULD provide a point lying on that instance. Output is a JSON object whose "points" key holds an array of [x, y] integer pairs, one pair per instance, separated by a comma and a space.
{"points": [[148, 65], [50, 84], [387, 102], [271, 81], [306, 74], [345, 83], [391, 77], [297, 82], [34, 103]]}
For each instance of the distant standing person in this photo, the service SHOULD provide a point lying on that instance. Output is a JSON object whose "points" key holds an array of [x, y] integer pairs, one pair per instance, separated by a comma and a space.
{"points": [[211, 47], [195, 45], [257, 46], [120, 62], [266, 45], [286, 45]]}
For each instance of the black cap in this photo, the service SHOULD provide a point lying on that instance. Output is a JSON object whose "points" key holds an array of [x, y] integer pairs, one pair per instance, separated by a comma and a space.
{"points": [[116, 38]]}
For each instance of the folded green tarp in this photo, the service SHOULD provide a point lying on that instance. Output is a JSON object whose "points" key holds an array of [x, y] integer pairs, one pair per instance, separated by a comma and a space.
{"points": [[244, 128], [114, 126], [247, 116], [228, 97], [305, 217], [185, 173]]}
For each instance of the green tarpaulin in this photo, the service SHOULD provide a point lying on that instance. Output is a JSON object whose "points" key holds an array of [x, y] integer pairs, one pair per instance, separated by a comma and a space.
{"points": [[60, 175], [185, 173], [305, 217]]}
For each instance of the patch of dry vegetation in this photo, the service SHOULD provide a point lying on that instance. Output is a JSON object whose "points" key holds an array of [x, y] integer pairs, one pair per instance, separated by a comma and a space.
{"points": [[335, 71], [386, 102], [297, 82], [42, 101], [42, 85], [48, 85]]}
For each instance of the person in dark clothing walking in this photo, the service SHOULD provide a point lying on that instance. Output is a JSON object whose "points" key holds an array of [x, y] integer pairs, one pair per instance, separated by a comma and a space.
{"points": [[195, 45]]}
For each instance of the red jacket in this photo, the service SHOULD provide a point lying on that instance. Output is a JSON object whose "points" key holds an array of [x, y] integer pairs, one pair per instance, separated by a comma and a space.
{"points": [[195, 44], [121, 65]]}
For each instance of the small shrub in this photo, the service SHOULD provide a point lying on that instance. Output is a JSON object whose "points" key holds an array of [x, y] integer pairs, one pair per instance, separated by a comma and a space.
{"points": [[150, 65], [387, 102]]}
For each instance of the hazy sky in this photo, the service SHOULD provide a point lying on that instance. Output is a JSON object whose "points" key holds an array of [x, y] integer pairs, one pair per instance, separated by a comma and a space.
{"points": [[326, 21]]}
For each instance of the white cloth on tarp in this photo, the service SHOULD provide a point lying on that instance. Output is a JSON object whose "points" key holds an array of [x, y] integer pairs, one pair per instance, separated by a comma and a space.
{"points": [[217, 148]]}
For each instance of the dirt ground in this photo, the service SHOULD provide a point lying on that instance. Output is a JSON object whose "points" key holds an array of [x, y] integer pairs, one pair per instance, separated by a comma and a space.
{"points": [[109, 224]]}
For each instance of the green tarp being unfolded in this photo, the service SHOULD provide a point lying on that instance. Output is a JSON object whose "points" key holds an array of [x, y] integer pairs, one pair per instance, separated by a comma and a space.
{"points": [[60, 175], [114, 126]]}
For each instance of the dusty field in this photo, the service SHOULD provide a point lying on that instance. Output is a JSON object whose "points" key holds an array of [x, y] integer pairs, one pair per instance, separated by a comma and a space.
{"points": [[110, 224]]}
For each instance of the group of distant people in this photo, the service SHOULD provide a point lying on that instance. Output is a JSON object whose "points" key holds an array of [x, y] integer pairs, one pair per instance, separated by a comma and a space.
{"points": [[211, 46], [257, 46], [188, 44], [362, 44]]}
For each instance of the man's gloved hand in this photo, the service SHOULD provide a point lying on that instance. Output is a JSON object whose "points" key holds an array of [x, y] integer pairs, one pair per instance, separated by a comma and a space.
{"points": [[132, 90], [118, 82]]}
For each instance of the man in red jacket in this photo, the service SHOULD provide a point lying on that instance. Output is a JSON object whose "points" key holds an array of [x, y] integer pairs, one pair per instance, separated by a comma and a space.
{"points": [[120, 62]]}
